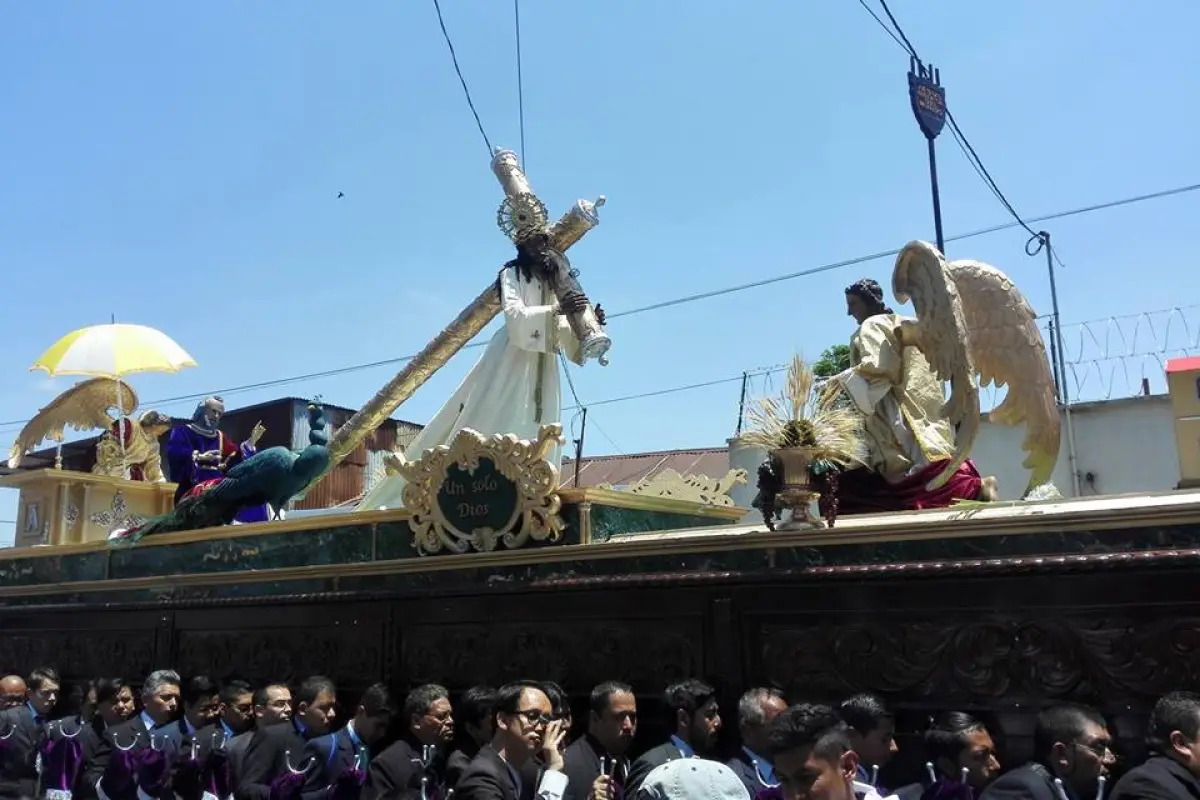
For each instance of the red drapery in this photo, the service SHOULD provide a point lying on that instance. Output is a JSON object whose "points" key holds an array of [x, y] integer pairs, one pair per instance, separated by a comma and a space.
{"points": [[862, 491]]}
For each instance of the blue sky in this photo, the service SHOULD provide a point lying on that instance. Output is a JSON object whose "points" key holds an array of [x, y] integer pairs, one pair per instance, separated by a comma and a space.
{"points": [[177, 165]]}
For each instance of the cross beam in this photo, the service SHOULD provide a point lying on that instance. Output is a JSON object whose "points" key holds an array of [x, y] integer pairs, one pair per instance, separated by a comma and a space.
{"points": [[520, 213]]}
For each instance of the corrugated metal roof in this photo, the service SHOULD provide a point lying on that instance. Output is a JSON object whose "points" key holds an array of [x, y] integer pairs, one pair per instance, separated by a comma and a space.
{"points": [[625, 470]]}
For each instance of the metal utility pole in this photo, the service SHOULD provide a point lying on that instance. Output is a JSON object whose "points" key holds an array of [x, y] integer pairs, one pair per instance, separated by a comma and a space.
{"points": [[742, 403], [1058, 359], [928, 100], [579, 445]]}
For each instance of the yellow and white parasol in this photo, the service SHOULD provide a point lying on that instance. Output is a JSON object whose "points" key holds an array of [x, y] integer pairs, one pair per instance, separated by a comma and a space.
{"points": [[114, 351]]}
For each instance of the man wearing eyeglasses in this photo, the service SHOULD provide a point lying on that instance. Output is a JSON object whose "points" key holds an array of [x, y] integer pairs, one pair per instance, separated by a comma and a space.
{"points": [[271, 705], [23, 728], [419, 755], [1071, 747], [525, 725]]}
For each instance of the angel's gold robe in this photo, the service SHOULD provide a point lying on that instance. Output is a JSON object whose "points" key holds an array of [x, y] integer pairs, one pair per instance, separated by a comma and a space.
{"points": [[142, 450], [900, 397]]}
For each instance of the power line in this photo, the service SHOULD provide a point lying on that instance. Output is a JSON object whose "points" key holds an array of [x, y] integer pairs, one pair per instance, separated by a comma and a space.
{"points": [[1126, 201], [963, 143], [454, 57]]}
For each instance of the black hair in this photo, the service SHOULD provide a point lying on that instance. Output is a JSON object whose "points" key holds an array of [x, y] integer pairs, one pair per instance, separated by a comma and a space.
{"points": [[508, 696], [559, 701], [377, 701], [308, 690], [107, 689], [690, 696], [1062, 722], [602, 695], [871, 293], [864, 712], [476, 705], [232, 690], [1177, 711], [807, 725], [260, 695], [421, 698], [201, 687], [947, 735], [42, 675]]}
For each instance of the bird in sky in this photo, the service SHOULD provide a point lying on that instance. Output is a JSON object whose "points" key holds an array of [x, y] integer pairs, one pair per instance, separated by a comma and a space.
{"points": [[341, 195]]}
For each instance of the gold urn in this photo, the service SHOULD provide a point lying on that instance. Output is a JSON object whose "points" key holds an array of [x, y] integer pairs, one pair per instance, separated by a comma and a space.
{"points": [[796, 493]]}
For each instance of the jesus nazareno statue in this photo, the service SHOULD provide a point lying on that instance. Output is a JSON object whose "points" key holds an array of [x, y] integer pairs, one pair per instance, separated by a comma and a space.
{"points": [[515, 387]]}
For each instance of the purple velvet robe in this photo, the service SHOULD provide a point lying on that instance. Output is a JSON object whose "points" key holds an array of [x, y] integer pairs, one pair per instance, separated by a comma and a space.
{"points": [[186, 440]]}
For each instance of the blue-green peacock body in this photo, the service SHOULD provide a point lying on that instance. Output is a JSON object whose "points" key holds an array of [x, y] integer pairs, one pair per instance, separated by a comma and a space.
{"points": [[274, 476]]}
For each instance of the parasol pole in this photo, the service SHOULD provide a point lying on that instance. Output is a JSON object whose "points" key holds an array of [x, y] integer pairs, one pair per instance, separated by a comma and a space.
{"points": [[120, 406]]}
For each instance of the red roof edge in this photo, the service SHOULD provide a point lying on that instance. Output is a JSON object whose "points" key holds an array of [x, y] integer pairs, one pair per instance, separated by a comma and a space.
{"points": [[1189, 364]]}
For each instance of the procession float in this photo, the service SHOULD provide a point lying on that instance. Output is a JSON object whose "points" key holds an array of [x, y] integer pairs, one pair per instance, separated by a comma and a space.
{"points": [[876, 558]]}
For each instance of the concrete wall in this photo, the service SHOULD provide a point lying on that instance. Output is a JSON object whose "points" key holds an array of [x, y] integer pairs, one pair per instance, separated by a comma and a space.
{"points": [[1127, 445]]}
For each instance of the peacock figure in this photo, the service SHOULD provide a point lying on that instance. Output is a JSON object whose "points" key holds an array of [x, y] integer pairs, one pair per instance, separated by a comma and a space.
{"points": [[273, 476]]}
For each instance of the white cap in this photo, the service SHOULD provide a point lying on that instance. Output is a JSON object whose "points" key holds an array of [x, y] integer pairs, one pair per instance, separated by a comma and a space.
{"points": [[693, 779]]}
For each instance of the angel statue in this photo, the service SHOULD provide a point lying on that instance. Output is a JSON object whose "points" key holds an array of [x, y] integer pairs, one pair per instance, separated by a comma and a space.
{"points": [[84, 407], [971, 320]]}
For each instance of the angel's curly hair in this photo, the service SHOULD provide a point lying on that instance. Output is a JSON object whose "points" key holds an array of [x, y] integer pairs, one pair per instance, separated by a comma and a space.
{"points": [[871, 293]]}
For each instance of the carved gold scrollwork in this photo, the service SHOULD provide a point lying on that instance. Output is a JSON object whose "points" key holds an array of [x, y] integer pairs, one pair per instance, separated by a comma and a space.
{"points": [[696, 488], [534, 515]]}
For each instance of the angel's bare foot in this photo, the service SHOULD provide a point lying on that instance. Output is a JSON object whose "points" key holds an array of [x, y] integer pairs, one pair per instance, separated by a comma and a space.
{"points": [[989, 492]]}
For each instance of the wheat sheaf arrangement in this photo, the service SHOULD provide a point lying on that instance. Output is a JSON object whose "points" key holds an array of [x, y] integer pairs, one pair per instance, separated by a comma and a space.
{"points": [[803, 417]]}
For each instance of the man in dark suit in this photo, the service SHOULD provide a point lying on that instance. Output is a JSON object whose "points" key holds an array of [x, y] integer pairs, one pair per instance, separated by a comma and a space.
{"points": [[1173, 770], [160, 705], [272, 704], [612, 724], [114, 705], [419, 754], [524, 725], [278, 750], [756, 709], [872, 735], [220, 718], [1071, 745], [810, 752], [343, 753], [695, 718], [474, 725], [201, 707], [23, 728]]}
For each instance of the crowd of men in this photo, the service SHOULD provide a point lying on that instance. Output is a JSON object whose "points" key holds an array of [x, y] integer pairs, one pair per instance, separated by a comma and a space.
{"points": [[170, 739]]}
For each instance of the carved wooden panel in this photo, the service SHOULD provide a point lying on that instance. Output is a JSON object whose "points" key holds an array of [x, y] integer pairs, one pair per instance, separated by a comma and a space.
{"points": [[81, 654], [1099, 659], [648, 653], [351, 654]]}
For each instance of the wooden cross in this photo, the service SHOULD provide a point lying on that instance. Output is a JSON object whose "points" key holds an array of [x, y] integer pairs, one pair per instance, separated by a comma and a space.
{"points": [[520, 214]]}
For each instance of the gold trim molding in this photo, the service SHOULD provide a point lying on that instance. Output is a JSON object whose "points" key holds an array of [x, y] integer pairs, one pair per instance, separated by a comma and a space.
{"points": [[534, 505]]}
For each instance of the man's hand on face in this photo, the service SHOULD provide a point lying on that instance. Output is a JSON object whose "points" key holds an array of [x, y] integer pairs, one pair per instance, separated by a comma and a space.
{"points": [[551, 745]]}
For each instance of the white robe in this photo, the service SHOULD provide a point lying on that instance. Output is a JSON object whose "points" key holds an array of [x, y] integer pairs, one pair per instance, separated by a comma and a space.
{"points": [[501, 393]]}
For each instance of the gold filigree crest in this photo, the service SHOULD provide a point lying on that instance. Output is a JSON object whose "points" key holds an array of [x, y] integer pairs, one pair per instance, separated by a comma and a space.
{"points": [[534, 515], [694, 487]]}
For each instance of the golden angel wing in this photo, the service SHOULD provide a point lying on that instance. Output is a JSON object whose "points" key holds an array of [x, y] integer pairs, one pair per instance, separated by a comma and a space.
{"points": [[940, 331], [83, 407], [1008, 350]]}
